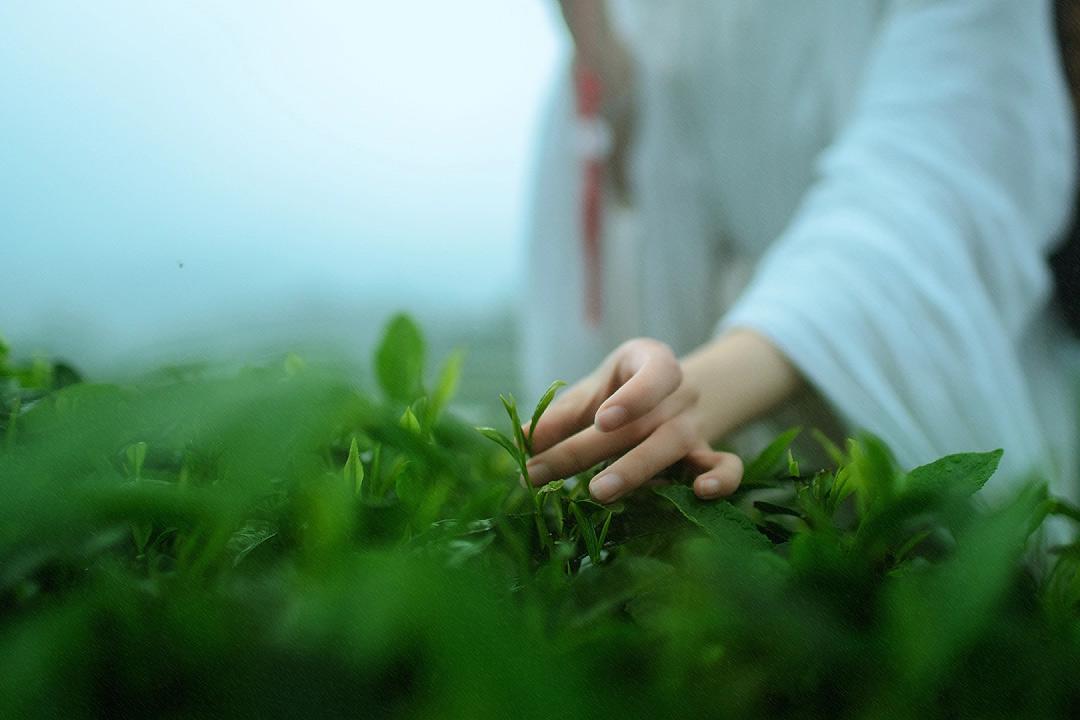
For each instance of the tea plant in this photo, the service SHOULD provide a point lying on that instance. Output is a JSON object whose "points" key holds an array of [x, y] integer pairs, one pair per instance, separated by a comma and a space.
{"points": [[278, 542]]}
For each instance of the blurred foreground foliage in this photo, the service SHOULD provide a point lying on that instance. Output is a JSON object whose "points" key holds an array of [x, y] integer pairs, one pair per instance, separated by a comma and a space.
{"points": [[279, 543]]}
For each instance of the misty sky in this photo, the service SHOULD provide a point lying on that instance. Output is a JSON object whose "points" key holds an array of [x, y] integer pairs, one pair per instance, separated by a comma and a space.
{"points": [[171, 166]]}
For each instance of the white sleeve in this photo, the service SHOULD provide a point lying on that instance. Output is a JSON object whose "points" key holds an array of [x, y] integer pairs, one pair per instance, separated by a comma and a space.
{"points": [[906, 284]]}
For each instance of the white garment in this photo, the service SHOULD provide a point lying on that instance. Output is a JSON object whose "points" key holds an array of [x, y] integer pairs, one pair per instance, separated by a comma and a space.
{"points": [[889, 175]]}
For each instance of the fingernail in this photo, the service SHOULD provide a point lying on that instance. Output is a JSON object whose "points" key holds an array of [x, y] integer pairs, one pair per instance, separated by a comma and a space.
{"points": [[606, 487], [538, 473], [710, 487], [611, 418]]}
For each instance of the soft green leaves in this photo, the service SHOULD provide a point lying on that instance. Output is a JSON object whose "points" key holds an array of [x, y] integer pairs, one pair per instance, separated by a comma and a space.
{"points": [[872, 473], [962, 474], [399, 360], [718, 518], [447, 385], [792, 465], [140, 534], [588, 533], [136, 457], [552, 487], [499, 439], [354, 469], [935, 615], [510, 405], [409, 421], [545, 401], [763, 469]]}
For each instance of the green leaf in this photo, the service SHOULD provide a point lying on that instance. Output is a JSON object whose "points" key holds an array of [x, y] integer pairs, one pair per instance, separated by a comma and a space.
{"points": [[792, 465], [447, 385], [511, 409], [506, 443], [552, 487], [399, 360], [605, 528], [422, 414], [721, 520], [354, 469], [136, 456], [545, 401], [140, 533], [763, 469], [376, 470], [872, 473], [835, 453], [934, 617], [588, 533], [409, 422], [963, 474]]}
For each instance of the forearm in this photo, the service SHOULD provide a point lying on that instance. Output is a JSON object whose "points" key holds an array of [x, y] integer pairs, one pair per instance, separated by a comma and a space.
{"points": [[738, 377]]}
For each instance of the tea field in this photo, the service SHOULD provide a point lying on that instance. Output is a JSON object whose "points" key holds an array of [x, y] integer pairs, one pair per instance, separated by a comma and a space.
{"points": [[290, 540]]}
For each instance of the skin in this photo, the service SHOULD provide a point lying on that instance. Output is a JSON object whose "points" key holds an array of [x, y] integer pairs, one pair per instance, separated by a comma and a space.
{"points": [[643, 405], [650, 410]]}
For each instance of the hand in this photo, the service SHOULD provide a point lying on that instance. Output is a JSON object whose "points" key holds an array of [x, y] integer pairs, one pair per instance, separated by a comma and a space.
{"points": [[637, 405]]}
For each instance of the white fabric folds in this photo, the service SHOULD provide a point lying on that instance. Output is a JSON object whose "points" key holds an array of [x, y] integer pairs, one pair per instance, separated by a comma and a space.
{"points": [[890, 176]]}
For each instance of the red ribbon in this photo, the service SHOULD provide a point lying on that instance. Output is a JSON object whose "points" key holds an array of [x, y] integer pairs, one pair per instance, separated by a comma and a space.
{"points": [[589, 97]]}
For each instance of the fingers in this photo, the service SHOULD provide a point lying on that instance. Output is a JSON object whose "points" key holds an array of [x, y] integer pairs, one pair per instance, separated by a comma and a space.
{"points": [[571, 411], [723, 472], [646, 372], [670, 443], [673, 441], [590, 446]]}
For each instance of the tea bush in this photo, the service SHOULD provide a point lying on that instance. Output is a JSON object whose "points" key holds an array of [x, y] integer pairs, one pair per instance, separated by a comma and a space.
{"points": [[277, 542]]}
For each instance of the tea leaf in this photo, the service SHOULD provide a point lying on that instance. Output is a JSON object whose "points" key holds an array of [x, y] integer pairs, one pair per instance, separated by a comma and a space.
{"points": [[792, 464], [605, 528], [376, 470], [552, 487], [511, 410], [962, 474], [399, 360], [836, 455], [718, 518], [354, 469], [541, 406], [140, 533], [588, 533], [762, 470], [872, 472], [506, 443], [409, 421], [447, 385], [136, 456]]}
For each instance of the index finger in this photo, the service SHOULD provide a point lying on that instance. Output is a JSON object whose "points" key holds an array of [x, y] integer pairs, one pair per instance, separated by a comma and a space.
{"points": [[651, 373], [569, 413]]}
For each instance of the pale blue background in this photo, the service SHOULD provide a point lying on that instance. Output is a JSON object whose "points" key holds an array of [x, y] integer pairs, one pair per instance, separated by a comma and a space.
{"points": [[311, 165]]}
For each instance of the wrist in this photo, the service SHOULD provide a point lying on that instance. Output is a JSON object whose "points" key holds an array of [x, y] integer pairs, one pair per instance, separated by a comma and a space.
{"points": [[738, 377]]}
